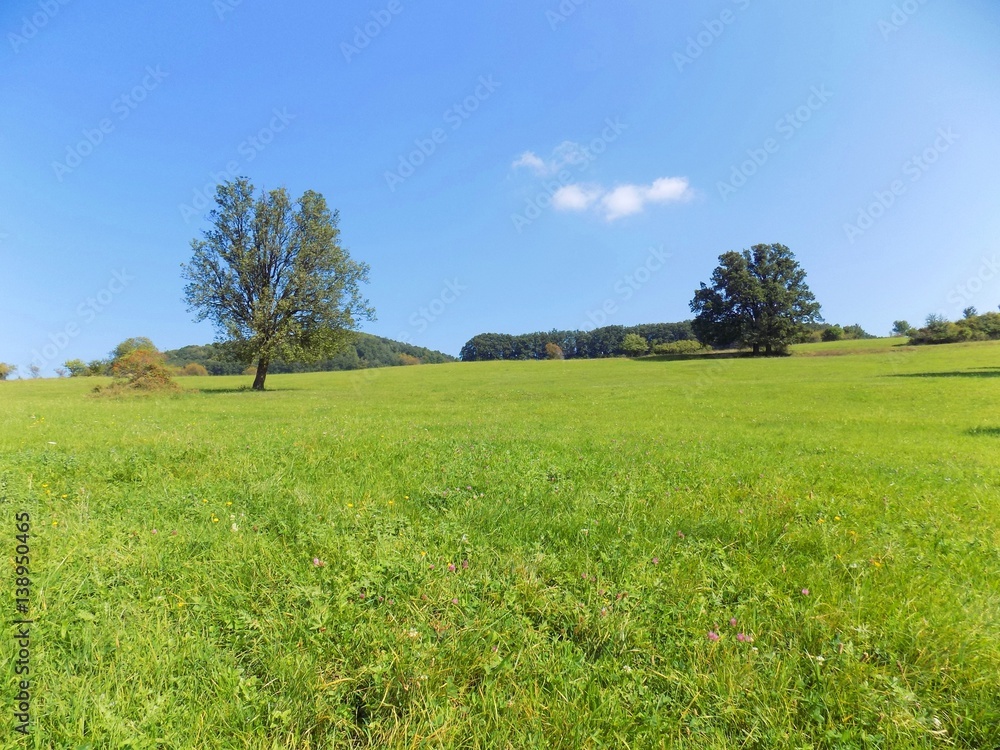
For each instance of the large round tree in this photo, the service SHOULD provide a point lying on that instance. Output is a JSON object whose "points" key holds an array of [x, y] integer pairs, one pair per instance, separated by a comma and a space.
{"points": [[757, 299], [274, 278]]}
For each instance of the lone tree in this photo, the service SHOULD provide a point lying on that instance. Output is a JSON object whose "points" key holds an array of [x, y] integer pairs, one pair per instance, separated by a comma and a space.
{"points": [[274, 278], [758, 299]]}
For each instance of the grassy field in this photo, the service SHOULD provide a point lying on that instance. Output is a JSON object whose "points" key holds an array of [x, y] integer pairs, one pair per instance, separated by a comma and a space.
{"points": [[797, 552]]}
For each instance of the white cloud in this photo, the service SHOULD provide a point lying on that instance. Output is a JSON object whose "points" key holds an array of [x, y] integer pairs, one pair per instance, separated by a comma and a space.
{"points": [[623, 200], [575, 197], [531, 160], [564, 154]]}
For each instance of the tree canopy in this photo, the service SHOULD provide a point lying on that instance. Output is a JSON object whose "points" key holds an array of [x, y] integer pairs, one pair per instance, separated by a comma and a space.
{"points": [[273, 277], [757, 299]]}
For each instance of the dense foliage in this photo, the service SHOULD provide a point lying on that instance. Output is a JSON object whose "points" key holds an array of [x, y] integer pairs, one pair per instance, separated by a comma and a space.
{"points": [[272, 276], [973, 327], [608, 341], [758, 299]]}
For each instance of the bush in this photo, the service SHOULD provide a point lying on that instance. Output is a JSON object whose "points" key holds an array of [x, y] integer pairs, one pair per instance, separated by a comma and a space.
{"points": [[194, 370], [833, 333], [139, 370], [634, 345], [6, 370], [553, 351], [77, 368], [409, 359], [686, 346]]}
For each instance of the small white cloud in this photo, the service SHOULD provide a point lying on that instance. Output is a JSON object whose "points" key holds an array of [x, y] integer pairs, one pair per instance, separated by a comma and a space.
{"points": [[669, 190], [575, 197], [531, 160], [566, 153], [623, 200]]}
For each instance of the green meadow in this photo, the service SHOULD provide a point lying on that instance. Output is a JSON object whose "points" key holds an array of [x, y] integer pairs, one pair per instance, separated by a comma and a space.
{"points": [[701, 553]]}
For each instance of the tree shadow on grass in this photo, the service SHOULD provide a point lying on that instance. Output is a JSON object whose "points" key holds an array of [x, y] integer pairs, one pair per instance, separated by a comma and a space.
{"points": [[979, 372], [984, 432]]}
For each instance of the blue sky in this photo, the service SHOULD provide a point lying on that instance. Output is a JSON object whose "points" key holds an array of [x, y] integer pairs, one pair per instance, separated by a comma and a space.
{"points": [[501, 166]]}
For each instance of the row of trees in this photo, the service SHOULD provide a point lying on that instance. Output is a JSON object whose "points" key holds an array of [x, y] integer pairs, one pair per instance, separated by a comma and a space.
{"points": [[609, 341], [757, 299], [940, 330]]}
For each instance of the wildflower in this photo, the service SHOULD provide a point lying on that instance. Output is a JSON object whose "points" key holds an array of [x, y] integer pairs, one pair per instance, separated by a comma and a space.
{"points": [[821, 521], [234, 528], [423, 553], [430, 567], [604, 611], [713, 636], [55, 523], [350, 505], [585, 532], [836, 518], [318, 563], [656, 561], [173, 533], [732, 622], [204, 499], [680, 534], [805, 592], [229, 502], [742, 637], [465, 564], [454, 601], [451, 567], [154, 531]]}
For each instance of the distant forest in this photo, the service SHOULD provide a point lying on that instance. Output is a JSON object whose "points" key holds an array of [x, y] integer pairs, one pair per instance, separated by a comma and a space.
{"points": [[367, 352], [613, 341], [600, 342]]}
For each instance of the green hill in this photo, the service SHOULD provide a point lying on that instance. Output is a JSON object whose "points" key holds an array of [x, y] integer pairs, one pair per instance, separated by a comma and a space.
{"points": [[368, 351]]}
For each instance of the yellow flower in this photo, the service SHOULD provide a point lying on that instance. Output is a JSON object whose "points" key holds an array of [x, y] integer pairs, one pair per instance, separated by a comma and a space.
{"points": [[64, 496], [423, 554], [55, 523], [392, 502], [350, 505], [45, 484], [821, 521], [229, 503], [204, 500]]}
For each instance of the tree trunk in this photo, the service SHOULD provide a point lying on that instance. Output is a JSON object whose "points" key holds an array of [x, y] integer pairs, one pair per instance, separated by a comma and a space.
{"points": [[756, 350], [258, 381], [768, 350]]}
